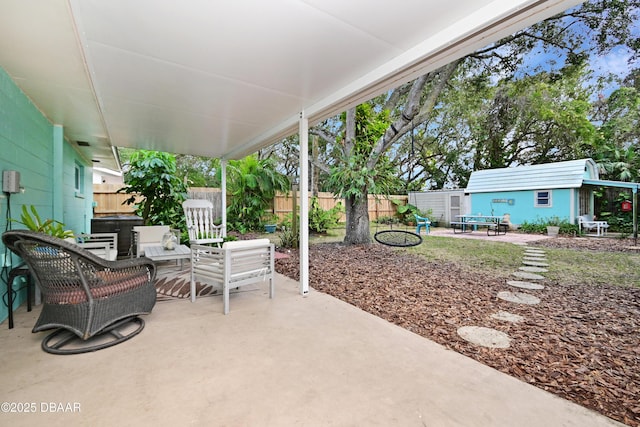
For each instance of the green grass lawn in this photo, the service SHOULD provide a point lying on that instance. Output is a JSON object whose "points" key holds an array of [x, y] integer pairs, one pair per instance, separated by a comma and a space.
{"points": [[566, 266]]}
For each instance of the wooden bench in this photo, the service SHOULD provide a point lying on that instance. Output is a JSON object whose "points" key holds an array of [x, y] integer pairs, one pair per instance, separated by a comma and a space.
{"points": [[235, 264]]}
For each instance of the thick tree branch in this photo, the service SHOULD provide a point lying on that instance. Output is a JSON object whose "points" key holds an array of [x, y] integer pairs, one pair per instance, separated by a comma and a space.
{"points": [[401, 125]]}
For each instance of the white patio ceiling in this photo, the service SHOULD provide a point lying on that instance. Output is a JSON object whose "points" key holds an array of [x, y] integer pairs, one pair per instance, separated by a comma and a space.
{"points": [[225, 78]]}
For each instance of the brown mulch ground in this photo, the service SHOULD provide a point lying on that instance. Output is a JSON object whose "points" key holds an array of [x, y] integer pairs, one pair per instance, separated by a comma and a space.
{"points": [[581, 343]]}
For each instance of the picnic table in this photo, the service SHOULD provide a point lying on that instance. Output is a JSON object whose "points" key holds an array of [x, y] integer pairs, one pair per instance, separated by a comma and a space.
{"points": [[471, 222]]}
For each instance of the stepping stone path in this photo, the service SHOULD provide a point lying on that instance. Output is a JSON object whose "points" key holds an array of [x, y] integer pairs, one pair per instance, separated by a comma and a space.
{"points": [[527, 275], [524, 285], [533, 269], [534, 257], [507, 317], [485, 337], [518, 297], [534, 261]]}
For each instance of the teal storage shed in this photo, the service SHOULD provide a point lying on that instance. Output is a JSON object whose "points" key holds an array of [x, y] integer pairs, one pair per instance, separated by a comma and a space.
{"points": [[535, 192]]}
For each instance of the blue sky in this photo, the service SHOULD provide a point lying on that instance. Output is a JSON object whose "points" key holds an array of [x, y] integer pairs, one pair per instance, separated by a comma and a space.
{"points": [[615, 62]]}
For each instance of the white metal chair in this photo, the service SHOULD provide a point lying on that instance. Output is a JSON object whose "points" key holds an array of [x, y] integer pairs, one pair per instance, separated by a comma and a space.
{"points": [[200, 222]]}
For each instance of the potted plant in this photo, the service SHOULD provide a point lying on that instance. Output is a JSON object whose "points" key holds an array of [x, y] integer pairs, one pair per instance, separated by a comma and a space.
{"points": [[31, 219], [553, 226], [406, 212], [270, 223]]}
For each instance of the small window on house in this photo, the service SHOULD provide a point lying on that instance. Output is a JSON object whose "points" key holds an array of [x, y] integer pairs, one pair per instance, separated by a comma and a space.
{"points": [[79, 179], [543, 199]]}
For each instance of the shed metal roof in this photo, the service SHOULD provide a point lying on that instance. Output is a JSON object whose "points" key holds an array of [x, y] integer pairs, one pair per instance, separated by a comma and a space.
{"points": [[569, 174]]}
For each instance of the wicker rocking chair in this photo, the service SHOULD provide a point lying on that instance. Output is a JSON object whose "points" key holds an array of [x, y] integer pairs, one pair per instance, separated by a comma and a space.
{"points": [[91, 302]]}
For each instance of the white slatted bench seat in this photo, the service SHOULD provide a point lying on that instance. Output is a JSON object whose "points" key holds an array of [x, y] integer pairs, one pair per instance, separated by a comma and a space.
{"points": [[235, 264], [105, 245]]}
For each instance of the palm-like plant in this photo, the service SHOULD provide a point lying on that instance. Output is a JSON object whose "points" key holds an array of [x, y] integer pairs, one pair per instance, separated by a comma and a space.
{"points": [[252, 185], [31, 219]]}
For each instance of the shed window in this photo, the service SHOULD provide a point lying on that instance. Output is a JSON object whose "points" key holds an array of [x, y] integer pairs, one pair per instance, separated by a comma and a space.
{"points": [[543, 199]]}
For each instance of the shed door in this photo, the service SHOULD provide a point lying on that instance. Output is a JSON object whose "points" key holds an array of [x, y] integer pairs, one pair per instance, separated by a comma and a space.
{"points": [[454, 207], [584, 201]]}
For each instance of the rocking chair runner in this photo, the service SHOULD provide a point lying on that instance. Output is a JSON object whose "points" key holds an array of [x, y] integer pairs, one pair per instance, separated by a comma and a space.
{"points": [[86, 298]]}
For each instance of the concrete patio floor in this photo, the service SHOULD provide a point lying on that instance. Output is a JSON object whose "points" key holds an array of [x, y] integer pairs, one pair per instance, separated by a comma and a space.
{"points": [[290, 361]]}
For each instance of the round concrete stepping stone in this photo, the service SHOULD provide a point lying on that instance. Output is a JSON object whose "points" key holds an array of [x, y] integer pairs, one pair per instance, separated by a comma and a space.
{"points": [[534, 253], [525, 285], [485, 337], [534, 258], [535, 263], [527, 275], [518, 297], [507, 317], [533, 269]]}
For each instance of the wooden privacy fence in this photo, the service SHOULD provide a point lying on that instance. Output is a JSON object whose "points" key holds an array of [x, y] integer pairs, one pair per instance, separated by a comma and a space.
{"points": [[106, 202], [109, 203], [379, 206]]}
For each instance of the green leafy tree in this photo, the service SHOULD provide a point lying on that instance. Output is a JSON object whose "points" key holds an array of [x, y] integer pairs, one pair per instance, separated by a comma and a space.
{"points": [[155, 188], [594, 27], [252, 185], [198, 171], [615, 148], [356, 176]]}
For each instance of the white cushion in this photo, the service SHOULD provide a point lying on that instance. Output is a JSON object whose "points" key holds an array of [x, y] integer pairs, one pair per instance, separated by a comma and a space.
{"points": [[246, 243]]}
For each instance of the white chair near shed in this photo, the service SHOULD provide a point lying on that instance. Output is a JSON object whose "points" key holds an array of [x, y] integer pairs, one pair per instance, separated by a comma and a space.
{"points": [[587, 222], [201, 223]]}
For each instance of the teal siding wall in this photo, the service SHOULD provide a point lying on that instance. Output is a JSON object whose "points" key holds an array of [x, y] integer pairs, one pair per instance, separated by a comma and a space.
{"points": [[26, 145], [520, 205]]}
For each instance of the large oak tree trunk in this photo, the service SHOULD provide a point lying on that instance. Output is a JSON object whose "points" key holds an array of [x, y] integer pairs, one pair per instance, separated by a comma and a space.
{"points": [[357, 211]]}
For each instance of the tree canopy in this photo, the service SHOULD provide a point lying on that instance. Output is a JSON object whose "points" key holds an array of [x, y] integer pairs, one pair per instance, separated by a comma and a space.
{"points": [[526, 99]]}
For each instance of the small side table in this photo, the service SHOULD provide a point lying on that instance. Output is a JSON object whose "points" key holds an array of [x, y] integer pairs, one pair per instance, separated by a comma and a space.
{"points": [[158, 253], [22, 270]]}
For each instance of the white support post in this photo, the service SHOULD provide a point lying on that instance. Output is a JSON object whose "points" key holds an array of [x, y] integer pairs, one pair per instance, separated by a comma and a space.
{"points": [[223, 198], [304, 204]]}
